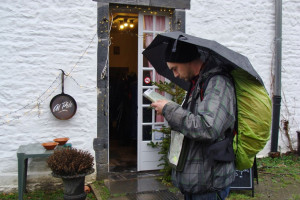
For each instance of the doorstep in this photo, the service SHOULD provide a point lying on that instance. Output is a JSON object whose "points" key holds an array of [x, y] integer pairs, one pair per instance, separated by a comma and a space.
{"points": [[138, 186]]}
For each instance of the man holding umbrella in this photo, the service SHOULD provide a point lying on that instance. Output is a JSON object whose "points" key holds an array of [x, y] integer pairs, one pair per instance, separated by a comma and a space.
{"points": [[206, 119]]}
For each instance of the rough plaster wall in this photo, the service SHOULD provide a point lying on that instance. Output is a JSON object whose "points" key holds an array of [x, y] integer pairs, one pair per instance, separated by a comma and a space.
{"points": [[248, 27], [36, 39], [290, 69]]}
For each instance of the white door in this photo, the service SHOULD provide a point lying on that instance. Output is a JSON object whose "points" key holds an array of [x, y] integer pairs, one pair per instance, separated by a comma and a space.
{"points": [[148, 157]]}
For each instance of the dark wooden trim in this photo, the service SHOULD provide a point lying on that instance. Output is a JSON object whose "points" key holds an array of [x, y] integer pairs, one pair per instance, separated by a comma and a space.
{"points": [[177, 4], [125, 8]]}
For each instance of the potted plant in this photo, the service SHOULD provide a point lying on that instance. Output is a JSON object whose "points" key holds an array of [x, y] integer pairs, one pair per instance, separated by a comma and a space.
{"points": [[72, 165]]}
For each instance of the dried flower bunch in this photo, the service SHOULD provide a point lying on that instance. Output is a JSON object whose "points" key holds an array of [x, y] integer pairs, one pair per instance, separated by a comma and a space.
{"points": [[70, 161]]}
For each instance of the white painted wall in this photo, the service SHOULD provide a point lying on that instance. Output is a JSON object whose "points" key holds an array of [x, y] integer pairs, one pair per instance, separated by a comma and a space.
{"points": [[291, 68], [248, 27], [36, 39]]}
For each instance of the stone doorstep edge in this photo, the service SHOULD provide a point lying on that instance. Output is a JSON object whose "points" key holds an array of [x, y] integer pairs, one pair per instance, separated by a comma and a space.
{"points": [[95, 191]]}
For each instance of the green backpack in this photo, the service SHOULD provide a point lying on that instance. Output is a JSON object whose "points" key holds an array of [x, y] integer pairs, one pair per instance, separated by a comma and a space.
{"points": [[254, 118], [254, 110]]}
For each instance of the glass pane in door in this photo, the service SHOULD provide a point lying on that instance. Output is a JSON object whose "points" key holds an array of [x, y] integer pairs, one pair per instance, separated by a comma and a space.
{"points": [[160, 23], [147, 39], [147, 130], [148, 22], [146, 63]]}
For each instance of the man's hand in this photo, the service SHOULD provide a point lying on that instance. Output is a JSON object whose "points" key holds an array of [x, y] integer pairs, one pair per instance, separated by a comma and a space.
{"points": [[159, 105]]}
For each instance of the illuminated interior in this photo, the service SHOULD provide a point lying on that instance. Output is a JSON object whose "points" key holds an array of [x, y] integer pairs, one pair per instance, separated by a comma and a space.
{"points": [[123, 92]]}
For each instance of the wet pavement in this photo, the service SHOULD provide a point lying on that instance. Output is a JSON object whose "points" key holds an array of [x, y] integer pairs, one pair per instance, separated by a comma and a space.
{"points": [[154, 195], [138, 186]]}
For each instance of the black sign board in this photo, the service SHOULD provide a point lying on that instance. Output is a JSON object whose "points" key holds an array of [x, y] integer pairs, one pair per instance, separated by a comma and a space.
{"points": [[243, 180]]}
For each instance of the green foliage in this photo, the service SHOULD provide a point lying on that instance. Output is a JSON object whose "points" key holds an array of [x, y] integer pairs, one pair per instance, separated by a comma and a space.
{"points": [[295, 197], [102, 189], [239, 195], [285, 166], [278, 179], [164, 149], [45, 195], [42, 195], [178, 95]]}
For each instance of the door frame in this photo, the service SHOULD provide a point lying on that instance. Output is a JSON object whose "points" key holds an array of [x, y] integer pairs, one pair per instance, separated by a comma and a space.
{"points": [[104, 8]]}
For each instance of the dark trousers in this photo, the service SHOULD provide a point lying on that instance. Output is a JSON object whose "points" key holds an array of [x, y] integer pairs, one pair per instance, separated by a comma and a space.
{"points": [[220, 195]]}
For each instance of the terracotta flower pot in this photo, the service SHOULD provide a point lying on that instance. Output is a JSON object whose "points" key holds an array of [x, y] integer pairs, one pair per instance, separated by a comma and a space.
{"points": [[61, 141], [87, 189], [49, 145]]}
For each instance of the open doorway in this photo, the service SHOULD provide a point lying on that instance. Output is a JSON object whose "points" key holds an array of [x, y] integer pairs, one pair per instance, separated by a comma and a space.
{"points": [[123, 92]]}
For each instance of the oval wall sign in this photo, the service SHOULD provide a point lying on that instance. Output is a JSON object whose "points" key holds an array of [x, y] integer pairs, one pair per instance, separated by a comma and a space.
{"points": [[63, 106]]}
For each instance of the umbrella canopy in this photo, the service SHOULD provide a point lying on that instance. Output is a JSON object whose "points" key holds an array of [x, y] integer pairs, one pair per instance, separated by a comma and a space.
{"points": [[155, 53]]}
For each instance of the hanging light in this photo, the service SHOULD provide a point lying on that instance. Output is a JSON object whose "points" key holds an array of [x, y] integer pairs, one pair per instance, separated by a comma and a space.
{"points": [[121, 25], [131, 25], [125, 24]]}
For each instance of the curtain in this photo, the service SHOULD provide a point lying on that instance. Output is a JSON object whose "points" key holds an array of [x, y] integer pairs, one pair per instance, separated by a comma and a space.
{"points": [[160, 23]]}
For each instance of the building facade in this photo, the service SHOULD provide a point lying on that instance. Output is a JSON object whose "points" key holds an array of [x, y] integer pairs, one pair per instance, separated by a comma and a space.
{"points": [[106, 73]]}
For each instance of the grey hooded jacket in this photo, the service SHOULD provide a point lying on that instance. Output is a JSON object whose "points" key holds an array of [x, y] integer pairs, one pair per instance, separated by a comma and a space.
{"points": [[203, 126]]}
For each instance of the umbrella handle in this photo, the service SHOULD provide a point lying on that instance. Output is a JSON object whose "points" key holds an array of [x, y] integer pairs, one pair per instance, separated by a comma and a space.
{"points": [[175, 43]]}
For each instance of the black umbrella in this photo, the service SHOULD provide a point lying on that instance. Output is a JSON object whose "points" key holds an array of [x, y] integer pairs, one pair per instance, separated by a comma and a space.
{"points": [[155, 53]]}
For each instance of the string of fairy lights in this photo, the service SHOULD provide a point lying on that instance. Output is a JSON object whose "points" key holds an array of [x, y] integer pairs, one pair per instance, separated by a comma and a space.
{"points": [[35, 104], [147, 10], [31, 105]]}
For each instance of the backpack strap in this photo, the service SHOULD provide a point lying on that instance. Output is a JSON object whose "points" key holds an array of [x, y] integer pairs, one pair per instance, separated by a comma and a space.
{"points": [[220, 151], [215, 151], [203, 86]]}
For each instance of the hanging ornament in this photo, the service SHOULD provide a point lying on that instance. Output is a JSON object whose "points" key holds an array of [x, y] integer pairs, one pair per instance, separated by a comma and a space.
{"points": [[63, 106]]}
